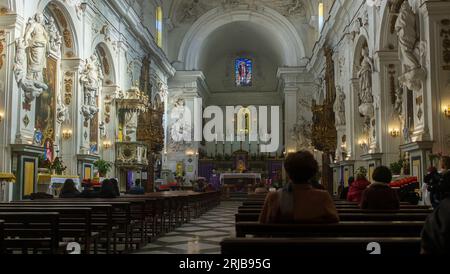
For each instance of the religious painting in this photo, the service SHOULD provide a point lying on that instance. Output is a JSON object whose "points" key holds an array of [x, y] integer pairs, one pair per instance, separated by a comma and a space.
{"points": [[46, 105], [244, 72]]}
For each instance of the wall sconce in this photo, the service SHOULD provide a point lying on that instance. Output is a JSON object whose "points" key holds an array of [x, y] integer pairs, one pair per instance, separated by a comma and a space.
{"points": [[363, 144], [447, 111], [2, 115], [394, 133], [67, 134], [107, 145]]}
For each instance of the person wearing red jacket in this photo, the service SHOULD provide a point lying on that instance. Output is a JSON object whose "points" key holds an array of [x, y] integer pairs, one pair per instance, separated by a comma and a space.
{"points": [[356, 189]]}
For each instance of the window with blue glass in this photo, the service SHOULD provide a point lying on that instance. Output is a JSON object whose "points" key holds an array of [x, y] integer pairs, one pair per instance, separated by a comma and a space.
{"points": [[244, 72]]}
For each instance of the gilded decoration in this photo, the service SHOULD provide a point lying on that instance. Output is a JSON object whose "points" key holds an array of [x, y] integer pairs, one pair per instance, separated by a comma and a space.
{"points": [[2, 47]]}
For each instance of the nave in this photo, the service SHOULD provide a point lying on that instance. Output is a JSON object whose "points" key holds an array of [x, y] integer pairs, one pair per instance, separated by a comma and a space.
{"points": [[201, 236]]}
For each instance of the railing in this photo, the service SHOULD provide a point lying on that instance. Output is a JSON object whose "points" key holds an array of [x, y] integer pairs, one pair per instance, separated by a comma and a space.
{"points": [[131, 155]]}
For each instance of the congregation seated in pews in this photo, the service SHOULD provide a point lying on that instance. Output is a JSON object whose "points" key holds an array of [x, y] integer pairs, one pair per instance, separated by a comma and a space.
{"points": [[301, 220]]}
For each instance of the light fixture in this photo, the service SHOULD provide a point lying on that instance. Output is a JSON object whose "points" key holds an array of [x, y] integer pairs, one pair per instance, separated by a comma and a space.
{"points": [[107, 145], [1, 116], [67, 134], [447, 111], [394, 133], [363, 144]]}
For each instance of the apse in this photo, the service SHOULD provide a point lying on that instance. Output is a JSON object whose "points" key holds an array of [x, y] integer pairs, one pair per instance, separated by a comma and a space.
{"points": [[241, 41]]}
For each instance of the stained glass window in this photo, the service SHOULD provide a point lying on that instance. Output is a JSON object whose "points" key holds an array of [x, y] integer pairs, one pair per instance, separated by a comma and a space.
{"points": [[159, 26], [244, 72]]}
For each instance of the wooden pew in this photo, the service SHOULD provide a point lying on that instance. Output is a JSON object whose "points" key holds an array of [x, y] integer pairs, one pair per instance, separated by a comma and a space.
{"points": [[36, 231], [2, 237], [102, 218], [351, 210], [342, 229], [75, 224], [318, 246], [254, 217]]}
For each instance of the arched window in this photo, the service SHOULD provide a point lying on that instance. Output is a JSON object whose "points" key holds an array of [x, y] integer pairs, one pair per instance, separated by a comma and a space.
{"points": [[159, 26], [244, 72], [321, 16]]}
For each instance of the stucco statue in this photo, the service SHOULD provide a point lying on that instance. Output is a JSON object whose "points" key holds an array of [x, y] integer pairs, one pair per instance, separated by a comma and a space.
{"points": [[55, 38], [405, 26], [36, 41], [31, 88], [180, 129], [398, 105], [366, 107], [339, 107], [91, 79], [409, 48]]}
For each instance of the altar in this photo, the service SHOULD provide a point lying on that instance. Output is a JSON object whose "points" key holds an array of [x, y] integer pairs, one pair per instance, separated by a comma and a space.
{"points": [[52, 184], [235, 178]]}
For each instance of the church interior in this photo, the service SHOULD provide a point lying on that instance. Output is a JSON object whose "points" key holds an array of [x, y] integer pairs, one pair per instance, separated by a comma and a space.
{"points": [[233, 127]]}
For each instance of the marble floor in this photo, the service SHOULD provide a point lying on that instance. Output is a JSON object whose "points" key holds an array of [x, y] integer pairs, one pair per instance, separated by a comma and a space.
{"points": [[200, 236]]}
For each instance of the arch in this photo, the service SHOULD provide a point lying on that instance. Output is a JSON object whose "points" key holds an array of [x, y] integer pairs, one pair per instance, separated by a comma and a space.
{"points": [[69, 24], [281, 29], [107, 61], [361, 41], [385, 35]]}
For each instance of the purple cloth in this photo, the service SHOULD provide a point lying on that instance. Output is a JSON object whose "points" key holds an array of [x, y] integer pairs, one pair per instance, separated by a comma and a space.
{"points": [[215, 181]]}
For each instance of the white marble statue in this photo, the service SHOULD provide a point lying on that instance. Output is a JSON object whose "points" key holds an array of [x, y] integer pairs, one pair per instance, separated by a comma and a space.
{"points": [[55, 38], [339, 107], [36, 40], [91, 79], [366, 107]]}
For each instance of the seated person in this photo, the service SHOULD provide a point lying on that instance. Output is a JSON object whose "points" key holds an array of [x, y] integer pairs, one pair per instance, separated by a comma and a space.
{"points": [[69, 190], [108, 190], [436, 232], [357, 188], [345, 190], [299, 201], [379, 196], [261, 188], [137, 189]]}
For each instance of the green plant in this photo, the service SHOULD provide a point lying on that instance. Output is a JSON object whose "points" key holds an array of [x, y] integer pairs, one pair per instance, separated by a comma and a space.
{"points": [[396, 168], [103, 167], [58, 166]]}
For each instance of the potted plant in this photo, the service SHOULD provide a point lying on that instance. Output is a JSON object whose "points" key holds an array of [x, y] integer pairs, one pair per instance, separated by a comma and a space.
{"points": [[396, 168], [58, 166], [103, 167]]}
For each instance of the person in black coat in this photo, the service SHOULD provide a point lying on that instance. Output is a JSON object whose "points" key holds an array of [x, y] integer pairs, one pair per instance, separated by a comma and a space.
{"points": [[436, 231]]}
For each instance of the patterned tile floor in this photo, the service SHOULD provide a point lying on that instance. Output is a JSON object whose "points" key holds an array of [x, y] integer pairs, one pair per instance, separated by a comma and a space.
{"points": [[200, 236]]}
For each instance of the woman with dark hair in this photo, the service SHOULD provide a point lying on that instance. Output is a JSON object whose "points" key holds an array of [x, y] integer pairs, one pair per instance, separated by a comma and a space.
{"points": [[379, 196], [299, 201], [69, 190]]}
